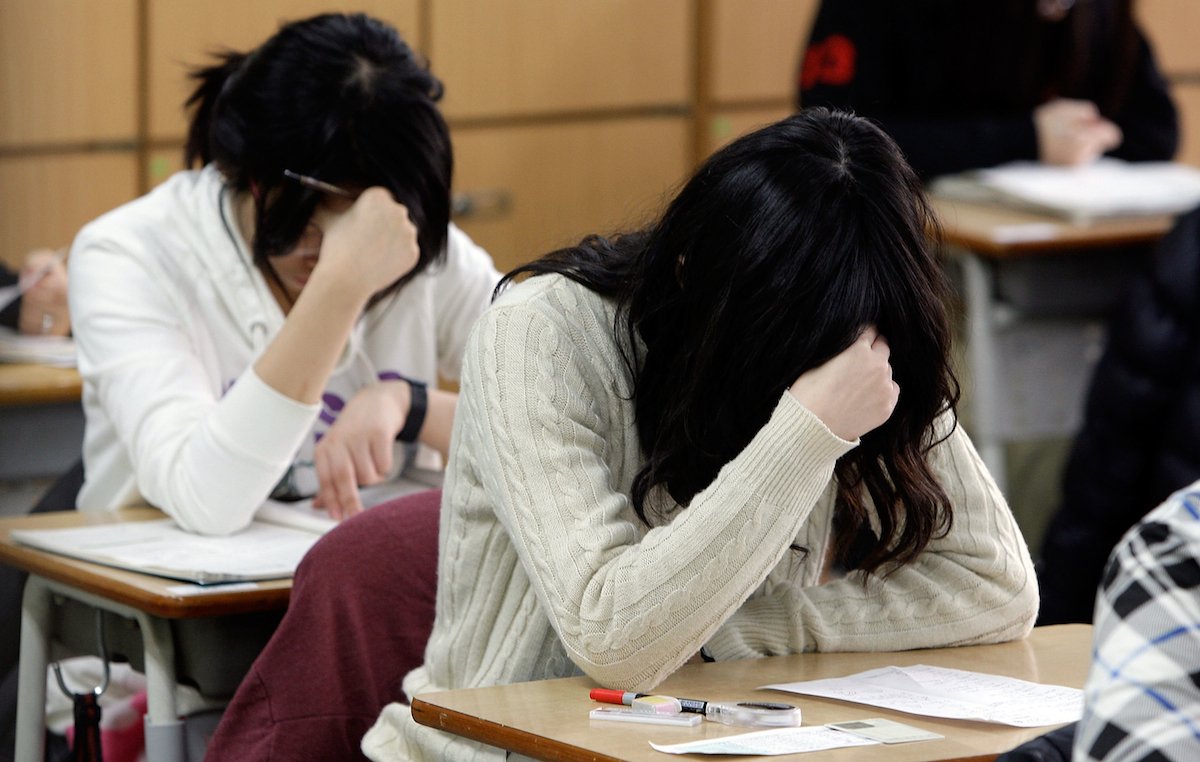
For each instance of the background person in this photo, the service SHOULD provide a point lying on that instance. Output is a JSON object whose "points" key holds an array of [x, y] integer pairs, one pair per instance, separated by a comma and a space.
{"points": [[968, 85]]}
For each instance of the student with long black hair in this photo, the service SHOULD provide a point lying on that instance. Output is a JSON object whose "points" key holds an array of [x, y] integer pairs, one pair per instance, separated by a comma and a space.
{"points": [[730, 434], [273, 321]]}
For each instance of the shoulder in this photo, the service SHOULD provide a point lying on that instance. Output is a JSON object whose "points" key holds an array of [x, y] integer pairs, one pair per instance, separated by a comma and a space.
{"points": [[550, 318], [169, 211]]}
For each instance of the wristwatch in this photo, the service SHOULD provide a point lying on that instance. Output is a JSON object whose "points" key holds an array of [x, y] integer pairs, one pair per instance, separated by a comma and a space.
{"points": [[417, 407]]}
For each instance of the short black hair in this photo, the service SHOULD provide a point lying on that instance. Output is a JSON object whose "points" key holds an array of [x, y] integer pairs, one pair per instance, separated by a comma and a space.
{"points": [[340, 97]]}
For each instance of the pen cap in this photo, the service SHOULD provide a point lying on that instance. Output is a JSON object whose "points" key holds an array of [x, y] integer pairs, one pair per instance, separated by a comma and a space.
{"points": [[754, 714]]}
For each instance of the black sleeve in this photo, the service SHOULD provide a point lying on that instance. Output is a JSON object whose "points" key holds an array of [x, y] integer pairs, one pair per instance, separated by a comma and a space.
{"points": [[1148, 120], [10, 314], [1136, 392]]}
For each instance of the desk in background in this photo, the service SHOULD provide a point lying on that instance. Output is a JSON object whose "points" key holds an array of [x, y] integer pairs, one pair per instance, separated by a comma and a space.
{"points": [[41, 420], [548, 719], [1028, 377], [207, 638]]}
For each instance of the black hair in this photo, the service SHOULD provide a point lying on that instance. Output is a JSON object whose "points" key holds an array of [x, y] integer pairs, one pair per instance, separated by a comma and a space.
{"points": [[772, 259], [339, 97]]}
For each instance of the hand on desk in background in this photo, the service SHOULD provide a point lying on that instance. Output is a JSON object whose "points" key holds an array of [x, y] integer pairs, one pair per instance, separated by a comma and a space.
{"points": [[1072, 132], [44, 294]]}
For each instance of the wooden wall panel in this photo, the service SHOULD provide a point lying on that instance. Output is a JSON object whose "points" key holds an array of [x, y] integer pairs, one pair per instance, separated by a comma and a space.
{"points": [[565, 181], [67, 71], [183, 32], [1187, 98], [754, 47], [521, 57], [1171, 26], [724, 126], [44, 200]]}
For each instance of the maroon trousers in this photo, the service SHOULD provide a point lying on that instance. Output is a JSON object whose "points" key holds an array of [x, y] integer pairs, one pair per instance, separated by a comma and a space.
{"points": [[360, 614]]}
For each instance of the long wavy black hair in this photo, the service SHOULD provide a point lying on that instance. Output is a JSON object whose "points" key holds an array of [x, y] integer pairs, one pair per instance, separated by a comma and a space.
{"points": [[339, 97], [772, 259]]}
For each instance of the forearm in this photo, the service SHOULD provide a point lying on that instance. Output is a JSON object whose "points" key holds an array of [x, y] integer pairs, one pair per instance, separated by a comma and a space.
{"points": [[299, 361], [974, 585]]}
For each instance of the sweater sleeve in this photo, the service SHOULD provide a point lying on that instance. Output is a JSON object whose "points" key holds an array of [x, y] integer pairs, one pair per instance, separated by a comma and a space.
{"points": [[629, 605], [205, 455], [974, 585]]}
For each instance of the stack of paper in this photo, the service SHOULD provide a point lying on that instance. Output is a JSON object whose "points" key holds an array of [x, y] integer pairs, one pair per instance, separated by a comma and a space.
{"points": [[1103, 189], [270, 548], [46, 350]]}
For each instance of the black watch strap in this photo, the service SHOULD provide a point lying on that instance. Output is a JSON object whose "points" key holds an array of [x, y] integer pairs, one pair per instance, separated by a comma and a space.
{"points": [[417, 407]]}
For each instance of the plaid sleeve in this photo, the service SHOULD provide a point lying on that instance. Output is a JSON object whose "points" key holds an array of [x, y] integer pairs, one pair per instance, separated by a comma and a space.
{"points": [[1142, 698]]}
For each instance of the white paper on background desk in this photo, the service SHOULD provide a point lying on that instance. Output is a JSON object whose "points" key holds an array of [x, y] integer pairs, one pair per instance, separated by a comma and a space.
{"points": [[953, 693], [769, 742], [1103, 188], [44, 350]]}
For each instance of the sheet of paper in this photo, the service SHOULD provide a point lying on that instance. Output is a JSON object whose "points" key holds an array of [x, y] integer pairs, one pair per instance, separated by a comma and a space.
{"points": [[302, 515], [769, 742], [46, 350], [261, 551], [884, 731], [952, 693], [1103, 188]]}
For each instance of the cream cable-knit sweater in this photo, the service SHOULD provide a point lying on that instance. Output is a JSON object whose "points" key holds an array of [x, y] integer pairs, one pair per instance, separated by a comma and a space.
{"points": [[544, 569]]}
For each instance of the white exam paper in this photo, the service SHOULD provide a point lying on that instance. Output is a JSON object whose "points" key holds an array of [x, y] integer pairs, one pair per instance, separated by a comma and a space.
{"points": [[943, 692], [769, 742]]}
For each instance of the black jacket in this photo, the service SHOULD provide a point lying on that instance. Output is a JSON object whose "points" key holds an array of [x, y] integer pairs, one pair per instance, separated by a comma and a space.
{"points": [[955, 83], [1140, 439]]}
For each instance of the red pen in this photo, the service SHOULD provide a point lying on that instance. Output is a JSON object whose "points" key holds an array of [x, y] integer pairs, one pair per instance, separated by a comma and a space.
{"points": [[610, 696]]}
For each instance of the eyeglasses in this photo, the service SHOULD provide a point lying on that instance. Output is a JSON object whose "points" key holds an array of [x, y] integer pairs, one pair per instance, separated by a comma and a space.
{"points": [[321, 185]]}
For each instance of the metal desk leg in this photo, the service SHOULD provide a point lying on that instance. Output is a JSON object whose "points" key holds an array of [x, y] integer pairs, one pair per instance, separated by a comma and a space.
{"points": [[982, 351], [164, 729], [31, 688]]}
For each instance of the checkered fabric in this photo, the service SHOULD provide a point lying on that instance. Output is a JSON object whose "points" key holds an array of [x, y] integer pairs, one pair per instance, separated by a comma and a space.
{"points": [[1143, 692]]}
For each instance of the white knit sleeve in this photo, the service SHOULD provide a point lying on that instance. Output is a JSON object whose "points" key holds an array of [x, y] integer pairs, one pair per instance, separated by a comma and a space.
{"points": [[974, 585]]}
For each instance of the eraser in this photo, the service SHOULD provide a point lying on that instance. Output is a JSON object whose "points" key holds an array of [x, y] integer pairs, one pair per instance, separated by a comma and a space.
{"points": [[657, 705], [621, 714]]}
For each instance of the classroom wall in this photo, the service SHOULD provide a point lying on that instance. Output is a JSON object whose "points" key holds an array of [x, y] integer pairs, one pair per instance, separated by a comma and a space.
{"points": [[567, 117]]}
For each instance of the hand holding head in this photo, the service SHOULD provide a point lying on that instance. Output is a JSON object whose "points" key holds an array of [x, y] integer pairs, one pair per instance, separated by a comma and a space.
{"points": [[852, 393]]}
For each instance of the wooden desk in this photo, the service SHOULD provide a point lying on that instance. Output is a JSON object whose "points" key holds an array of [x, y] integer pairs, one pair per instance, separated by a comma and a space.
{"points": [[549, 719], [41, 420], [984, 236], [161, 611]]}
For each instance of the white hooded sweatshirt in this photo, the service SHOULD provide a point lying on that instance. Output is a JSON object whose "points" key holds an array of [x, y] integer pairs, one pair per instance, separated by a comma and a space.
{"points": [[170, 315]]}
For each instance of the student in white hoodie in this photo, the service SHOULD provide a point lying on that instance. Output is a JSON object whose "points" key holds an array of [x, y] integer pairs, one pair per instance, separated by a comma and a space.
{"points": [[243, 333]]}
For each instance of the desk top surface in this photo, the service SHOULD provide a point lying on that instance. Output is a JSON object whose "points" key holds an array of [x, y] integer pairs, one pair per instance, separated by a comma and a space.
{"points": [[33, 384], [154, 595], [995, 230], [549, 719]]}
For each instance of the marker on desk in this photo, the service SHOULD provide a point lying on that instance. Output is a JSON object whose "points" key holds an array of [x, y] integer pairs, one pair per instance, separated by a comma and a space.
{"points": [[742, 713]]}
